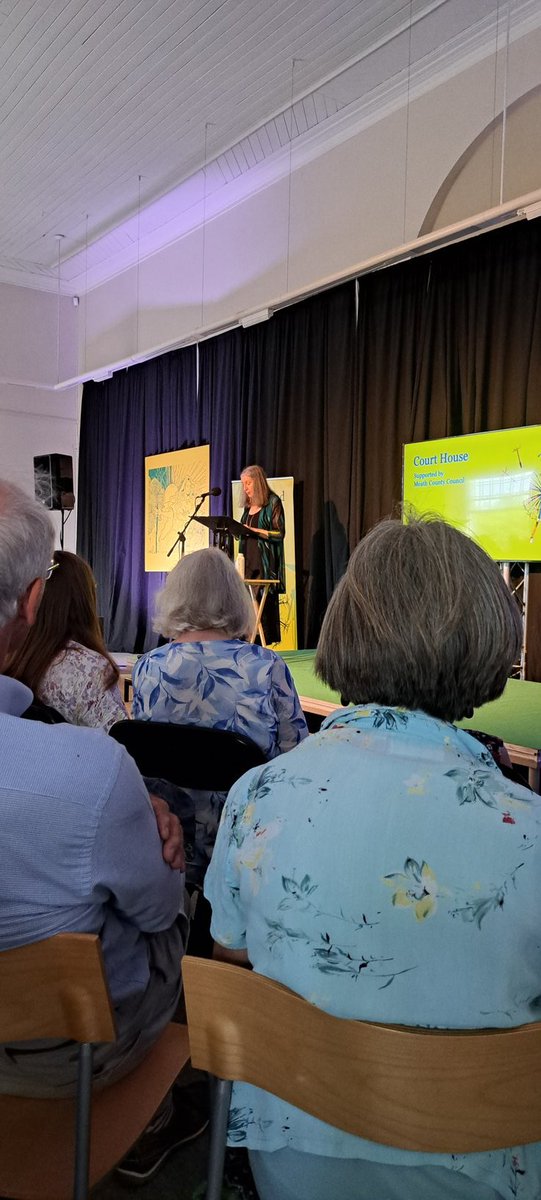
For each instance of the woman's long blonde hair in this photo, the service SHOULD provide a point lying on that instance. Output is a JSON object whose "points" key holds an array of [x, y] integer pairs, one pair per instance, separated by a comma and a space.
{"points": [[261, 487]]}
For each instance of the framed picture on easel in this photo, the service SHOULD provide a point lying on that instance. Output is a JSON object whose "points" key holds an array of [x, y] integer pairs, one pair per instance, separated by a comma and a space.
{"points": [[173, 481]]}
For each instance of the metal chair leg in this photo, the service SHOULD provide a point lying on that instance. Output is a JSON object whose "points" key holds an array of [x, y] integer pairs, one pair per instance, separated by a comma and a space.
{"points": [[82, 1122], [221, 1098]]}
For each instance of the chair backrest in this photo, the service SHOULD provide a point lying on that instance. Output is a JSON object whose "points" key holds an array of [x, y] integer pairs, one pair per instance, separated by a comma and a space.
{"points": [[55, 989], [38, 711], [188, 755], [452, 1091]]}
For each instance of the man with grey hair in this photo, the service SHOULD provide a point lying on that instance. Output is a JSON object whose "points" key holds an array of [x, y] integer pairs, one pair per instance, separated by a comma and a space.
{"points": [[84, 848]]}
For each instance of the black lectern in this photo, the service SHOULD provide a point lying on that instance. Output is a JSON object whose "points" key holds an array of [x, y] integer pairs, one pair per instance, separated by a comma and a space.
{"points": [[224, 529]]}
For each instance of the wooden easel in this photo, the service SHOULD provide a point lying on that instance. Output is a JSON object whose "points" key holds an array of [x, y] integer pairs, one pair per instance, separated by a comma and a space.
{"points": [[259, 604]]}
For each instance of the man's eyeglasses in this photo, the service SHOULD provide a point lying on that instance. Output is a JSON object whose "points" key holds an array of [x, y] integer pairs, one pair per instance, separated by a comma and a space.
{"points": [[52, 567]]}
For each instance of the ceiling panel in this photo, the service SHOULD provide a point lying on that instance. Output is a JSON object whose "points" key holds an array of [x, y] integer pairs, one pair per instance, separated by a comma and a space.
{"points": [[106, 105]]}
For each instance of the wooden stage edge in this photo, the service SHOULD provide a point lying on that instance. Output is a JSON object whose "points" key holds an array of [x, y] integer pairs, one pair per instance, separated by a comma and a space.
{"points": [[523, 756]]}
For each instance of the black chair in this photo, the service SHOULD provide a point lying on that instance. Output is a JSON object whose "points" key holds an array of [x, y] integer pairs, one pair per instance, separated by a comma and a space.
{"points": [[188, 755], [37, 711]]}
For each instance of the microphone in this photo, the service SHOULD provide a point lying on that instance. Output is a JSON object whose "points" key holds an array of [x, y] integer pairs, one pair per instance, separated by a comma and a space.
{"points": [[213, 492]]}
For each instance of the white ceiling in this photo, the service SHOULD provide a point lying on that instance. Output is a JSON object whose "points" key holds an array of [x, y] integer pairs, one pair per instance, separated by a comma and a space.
{"points": [[110, 109]]}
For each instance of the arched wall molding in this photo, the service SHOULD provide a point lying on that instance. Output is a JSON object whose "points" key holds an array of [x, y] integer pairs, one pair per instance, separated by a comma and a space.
{"points": [[473, 183]]}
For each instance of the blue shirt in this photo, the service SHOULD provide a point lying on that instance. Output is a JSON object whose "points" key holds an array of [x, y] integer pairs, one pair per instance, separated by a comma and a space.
{"points": [[386, 870], [80, 849], [227, 684]]}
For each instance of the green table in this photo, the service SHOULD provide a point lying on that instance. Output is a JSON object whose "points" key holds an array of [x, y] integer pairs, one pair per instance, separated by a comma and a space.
{"points": [[515, 717]]}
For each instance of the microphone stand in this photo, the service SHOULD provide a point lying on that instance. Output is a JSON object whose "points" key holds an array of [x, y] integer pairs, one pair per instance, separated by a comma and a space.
{"points": [[181, 535]]}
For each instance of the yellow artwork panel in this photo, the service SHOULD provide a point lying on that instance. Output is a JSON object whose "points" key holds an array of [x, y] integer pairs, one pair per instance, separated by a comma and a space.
{"points": [[173, 481]]}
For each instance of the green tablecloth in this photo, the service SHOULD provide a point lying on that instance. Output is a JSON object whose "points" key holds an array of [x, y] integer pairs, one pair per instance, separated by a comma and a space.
{"points": [[515, 717]]}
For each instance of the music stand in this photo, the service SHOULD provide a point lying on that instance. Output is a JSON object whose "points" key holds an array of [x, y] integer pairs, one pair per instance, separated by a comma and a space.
{"points": [[224, 529]]}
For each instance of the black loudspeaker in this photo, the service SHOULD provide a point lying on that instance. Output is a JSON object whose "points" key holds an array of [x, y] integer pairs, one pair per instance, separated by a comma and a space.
{"points": [[53, 476]]}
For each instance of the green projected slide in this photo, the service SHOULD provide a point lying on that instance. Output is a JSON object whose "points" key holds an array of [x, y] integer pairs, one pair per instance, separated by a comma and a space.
{"points": [[486, 484]]}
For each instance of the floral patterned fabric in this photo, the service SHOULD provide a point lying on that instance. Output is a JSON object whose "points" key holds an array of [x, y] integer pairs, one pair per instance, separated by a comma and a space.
{"points": [[76, 684], [227, 684], [385, 870]]}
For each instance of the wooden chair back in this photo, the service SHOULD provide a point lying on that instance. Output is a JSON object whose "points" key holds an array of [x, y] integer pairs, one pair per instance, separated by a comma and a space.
{"points": [[188, 755], [451, 1091], [56, 1149], [55, 989]]}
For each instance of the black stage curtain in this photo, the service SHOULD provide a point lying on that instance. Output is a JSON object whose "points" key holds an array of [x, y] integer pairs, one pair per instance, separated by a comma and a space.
{"points": [[144, 410], [281, 394], [443, 345], [448, 344]]}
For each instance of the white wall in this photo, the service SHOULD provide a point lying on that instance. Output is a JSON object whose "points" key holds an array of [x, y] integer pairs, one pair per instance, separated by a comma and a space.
{"points": [[366, 195], [34, 419]]}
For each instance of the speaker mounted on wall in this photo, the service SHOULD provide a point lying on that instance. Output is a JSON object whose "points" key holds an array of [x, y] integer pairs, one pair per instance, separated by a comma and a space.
{"points": [[53, 480]]}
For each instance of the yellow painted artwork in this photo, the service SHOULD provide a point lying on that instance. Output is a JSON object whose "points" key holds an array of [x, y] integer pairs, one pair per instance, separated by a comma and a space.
{"points": [[173, 482], [283, 487]]}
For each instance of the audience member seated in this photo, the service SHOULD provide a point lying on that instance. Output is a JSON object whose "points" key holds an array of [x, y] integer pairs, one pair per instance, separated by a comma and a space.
{"points": [[63, 659], [388, 871], [83, 848], [209, 675]]}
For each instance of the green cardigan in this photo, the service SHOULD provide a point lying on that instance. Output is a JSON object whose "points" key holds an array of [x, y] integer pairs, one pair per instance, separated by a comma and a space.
{"points": [[271, 550]]}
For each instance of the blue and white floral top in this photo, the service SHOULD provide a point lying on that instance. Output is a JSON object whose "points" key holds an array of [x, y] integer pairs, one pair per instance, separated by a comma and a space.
{"points": [[385, 870], [227, 684]]}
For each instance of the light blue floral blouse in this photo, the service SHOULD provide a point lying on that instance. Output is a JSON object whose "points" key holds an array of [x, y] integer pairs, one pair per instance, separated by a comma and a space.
{"points": [[227, 684], [385, 870]]}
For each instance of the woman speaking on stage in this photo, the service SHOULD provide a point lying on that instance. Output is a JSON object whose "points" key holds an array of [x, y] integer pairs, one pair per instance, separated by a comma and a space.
{"points": [[264, 553]]}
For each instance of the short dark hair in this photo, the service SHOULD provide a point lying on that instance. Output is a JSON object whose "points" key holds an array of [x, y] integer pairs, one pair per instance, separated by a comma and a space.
{"points": [[422, 619]]}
